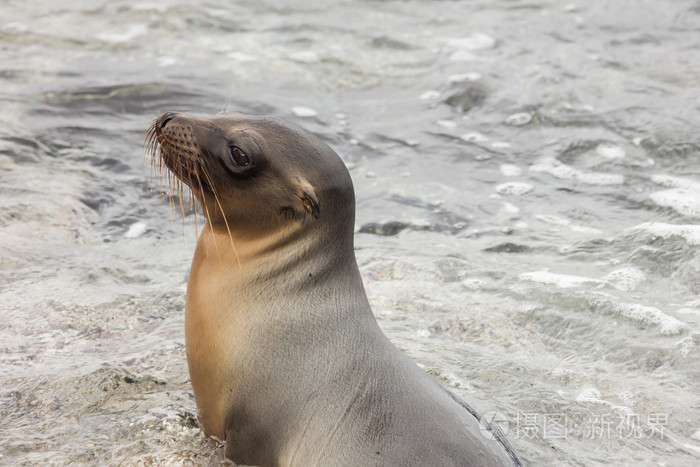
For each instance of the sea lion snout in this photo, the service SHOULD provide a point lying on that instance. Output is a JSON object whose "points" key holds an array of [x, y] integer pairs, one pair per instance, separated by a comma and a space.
{"points": [[164, 120]]}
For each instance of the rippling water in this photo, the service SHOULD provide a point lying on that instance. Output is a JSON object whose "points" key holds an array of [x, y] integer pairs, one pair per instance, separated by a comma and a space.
{"points": [[528, 185]]}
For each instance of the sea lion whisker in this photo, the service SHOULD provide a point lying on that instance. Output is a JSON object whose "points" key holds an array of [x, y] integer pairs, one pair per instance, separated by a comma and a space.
{"points": [[154, 149], [181, 172], [175, 187], [154, 165], [196, 168], [149, 148], [148, 137], [208, 215], [201, 196], [216, 246], [172, 195], [171, 204], [180, 193], [191, 205], [228, 228], [154, 153]]}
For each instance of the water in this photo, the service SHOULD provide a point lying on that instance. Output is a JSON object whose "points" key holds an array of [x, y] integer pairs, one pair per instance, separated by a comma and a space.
{"points": [[528, 195]]}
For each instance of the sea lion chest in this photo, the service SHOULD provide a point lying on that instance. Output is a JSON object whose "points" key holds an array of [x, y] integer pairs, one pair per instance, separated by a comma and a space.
{"points": [[211, 325]]}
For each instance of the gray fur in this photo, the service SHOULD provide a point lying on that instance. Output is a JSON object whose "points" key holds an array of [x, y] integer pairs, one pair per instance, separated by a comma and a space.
{"points": [[308, 376]]}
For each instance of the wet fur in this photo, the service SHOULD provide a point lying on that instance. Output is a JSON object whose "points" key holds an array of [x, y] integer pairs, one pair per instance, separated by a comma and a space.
{"points": [[288, 364]]}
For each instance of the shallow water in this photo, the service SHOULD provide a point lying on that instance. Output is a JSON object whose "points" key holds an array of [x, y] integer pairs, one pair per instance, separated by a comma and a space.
{"points": [[528, 186]]}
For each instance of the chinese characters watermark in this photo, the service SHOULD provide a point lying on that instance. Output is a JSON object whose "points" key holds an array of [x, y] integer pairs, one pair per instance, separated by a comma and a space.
{"points": [[559, 425]]}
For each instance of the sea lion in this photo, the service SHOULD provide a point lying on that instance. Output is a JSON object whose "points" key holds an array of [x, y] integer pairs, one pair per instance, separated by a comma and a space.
{"points": [[287, 362]]}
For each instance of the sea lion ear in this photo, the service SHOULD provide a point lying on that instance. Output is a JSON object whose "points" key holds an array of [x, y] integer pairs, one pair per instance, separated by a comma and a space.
{"points": [[308, 199]]}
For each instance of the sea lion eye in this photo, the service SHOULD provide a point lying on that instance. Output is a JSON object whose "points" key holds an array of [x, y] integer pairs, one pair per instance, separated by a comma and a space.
{"points": [[239, 157]]}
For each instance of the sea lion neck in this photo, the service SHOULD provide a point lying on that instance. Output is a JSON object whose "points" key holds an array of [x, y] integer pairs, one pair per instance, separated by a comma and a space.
{"points": [[270, 254]]}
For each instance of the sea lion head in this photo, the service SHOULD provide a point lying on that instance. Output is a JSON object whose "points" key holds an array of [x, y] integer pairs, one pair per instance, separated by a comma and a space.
{"points": [[254, 173]]}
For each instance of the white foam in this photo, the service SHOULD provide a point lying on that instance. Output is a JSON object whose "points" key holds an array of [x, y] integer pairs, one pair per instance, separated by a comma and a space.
{"points": [[683, 195], [625, 279], [610, 151], [649, 315], [510, 170], [475, 283], [514, 188], [500, 145], [304, 56], [463, 56], [683, 200], [518, 119], [675, 182], [15, 27], [474, 41], [550, 219], [132, 32], [562, 171], [584, 229], [509, 208], [685, 346], [304, 112], [563, 281], [559, 371], [464, 77], [691, 233], [627, 398], [432, 94], [474, 137], [591, 395], [166, 61], [689, 311], [136, 230], [160, 8], [447, 124], [242, 56]]}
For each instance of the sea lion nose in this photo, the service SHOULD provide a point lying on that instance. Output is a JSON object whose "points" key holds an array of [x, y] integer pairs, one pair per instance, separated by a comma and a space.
{"points": [[164, 119]]}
